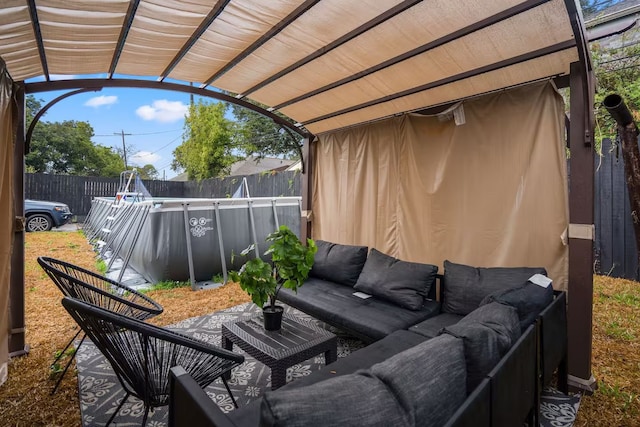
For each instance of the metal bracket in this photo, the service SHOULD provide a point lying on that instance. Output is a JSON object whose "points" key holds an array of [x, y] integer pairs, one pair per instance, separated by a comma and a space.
{"points": [[580, 384], [582, 231]]}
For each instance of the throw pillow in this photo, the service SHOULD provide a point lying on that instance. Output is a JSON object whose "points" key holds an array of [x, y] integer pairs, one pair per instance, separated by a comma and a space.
{"points": [[400, 282], [338, 263], [348, 401], [465, 287], [528, 299]]}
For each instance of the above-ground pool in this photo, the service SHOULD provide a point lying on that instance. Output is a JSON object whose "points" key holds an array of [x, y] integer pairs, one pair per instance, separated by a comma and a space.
{"points": [[187, 239]]}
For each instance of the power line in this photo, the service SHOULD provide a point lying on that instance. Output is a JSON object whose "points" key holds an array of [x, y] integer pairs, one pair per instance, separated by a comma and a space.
{"points": [[140, 134], [166, 145]]}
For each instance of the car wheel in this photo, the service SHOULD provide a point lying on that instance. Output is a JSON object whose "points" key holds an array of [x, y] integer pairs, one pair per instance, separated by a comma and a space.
{"points": [[39, 222]]}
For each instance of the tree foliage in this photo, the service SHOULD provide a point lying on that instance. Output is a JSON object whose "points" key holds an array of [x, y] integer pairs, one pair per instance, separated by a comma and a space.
{"points": [[617, 71], [207, 146], [148, 171], [262, 137], [66, 148]]}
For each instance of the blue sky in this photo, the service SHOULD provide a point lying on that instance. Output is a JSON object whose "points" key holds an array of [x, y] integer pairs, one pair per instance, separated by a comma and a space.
{"points": [[153, 118]]}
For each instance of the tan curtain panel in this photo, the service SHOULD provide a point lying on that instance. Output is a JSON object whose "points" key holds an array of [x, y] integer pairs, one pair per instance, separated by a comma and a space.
{"points": [[6, 210], [489, 192]]}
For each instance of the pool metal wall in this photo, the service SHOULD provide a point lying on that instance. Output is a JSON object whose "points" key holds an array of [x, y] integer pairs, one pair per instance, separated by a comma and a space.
{"points": [[188, 239]]}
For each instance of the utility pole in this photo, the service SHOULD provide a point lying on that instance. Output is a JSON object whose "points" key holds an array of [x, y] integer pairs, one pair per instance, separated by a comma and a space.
{"points": [[124, 147]]}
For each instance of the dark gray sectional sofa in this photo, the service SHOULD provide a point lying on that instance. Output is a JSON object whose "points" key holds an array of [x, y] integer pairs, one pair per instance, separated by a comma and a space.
{"points": [[476, 357], [403, 293]]}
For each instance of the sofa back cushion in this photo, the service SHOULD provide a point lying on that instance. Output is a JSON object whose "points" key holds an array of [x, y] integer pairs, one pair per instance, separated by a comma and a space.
{"points": [[502, 318], [465, 287], [400, 282], [529, 299], [488, 333], [429, 380], [338, 263], [348, 400], [423, 385]]}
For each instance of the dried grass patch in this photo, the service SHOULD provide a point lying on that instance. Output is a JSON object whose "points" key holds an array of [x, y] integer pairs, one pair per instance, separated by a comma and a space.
{"points": [[616, 355], [25, 400]]}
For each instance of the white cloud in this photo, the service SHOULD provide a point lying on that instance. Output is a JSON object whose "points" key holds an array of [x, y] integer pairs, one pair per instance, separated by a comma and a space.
{"points": [[142, 158], [99, 101], [163, 111]]}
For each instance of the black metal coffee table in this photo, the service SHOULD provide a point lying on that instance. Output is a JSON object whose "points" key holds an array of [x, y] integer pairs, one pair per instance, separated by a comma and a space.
{"points": [[297, 341]]}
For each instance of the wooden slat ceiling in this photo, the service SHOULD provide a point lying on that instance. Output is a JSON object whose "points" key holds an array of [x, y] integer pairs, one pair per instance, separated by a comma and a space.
{"points": [[327, 64]]}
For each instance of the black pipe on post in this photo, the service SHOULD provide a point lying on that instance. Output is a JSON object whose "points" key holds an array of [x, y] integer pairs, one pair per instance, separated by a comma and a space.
{"points": [[618, 110]]}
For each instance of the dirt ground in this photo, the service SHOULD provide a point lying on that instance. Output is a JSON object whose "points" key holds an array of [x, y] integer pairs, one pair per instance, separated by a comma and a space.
{"points": [[25, 399]]}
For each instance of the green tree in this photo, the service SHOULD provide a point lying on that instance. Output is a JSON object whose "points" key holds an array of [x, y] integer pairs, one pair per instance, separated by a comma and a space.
{"points": [[207, 146], [148, 172], [66, 148], [617, 71], [106, 162], [262, 137]]}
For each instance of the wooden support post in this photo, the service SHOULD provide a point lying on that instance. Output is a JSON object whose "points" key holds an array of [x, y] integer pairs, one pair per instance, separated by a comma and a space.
{"points": [[17, 345], [307, 190], [581, 231]]}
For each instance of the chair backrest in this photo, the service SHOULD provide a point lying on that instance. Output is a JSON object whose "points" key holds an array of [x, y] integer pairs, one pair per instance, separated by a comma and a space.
{"points": [[91, 287], [142, 354]]}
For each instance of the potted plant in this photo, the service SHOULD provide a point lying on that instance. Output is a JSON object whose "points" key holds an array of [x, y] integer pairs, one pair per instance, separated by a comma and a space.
{"points": [[290, 264]]}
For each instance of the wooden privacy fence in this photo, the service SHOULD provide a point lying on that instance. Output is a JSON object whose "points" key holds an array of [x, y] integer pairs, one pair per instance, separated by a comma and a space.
{"points": [[615, 245], [78, 191]]}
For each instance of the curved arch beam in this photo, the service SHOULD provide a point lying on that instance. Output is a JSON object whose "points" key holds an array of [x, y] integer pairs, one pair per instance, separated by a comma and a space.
{"points": [[36, 118], [94, 84]]}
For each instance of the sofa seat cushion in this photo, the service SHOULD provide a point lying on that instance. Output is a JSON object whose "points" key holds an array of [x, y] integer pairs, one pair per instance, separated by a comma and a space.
{"points": [[363, 358], [420, 386], [432, 326], [399, 282], [529, 299], [338, 263], [465, 287], [368, 319]]}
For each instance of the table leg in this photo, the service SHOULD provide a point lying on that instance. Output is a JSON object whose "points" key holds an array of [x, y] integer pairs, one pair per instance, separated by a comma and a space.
{"points": [[278, 377], [227, 344], [331, 355]]}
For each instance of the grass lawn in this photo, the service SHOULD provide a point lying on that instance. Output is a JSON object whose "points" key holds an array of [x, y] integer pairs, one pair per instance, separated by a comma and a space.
{"points": [[25, 400]]}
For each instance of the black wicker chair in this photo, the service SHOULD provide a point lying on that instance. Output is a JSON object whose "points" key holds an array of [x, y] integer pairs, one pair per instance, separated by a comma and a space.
{"points": [[142, 355], [91, 287]]}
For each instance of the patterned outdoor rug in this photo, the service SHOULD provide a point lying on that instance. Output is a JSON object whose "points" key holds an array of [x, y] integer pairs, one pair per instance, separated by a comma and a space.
{"points": [[101, 393], [558, 409]]}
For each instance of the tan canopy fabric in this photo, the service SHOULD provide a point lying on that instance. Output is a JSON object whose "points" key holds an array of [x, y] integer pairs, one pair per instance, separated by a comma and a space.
{"points": [[327, 64], [489, 192], [7, 111]]}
